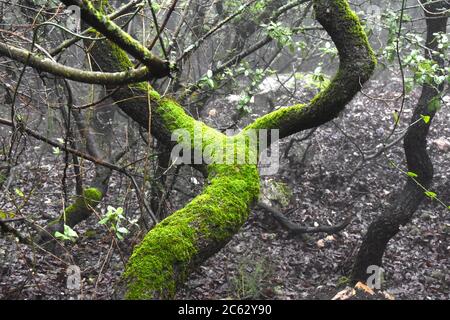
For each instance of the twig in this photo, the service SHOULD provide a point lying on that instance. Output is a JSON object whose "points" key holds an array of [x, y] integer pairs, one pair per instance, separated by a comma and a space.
{"points": [[295, 229]]}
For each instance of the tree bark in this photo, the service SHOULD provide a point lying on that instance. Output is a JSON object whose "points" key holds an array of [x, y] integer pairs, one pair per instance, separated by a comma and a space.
{"points": [[405, 202]]}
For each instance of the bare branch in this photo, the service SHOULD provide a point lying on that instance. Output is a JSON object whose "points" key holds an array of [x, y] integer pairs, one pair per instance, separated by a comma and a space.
{"points": [[295, 229]]}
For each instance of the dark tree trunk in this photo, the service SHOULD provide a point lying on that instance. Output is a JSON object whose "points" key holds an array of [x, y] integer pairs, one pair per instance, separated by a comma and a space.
{"points": [[406, 202]]}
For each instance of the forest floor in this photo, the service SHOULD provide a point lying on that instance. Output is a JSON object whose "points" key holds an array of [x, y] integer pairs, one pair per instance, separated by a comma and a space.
{"points": [[262, 261]]}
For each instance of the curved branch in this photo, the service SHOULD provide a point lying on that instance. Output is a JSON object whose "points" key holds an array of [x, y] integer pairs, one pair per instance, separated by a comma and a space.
{"points": [[186, 238], [93, 77], [67, 43], [296, 229], [181, 242], [357, 63]]}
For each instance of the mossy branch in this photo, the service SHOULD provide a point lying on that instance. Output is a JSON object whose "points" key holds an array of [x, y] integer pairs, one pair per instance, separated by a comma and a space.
{"points": [[357, 63], [93, 77], [78, 211], [82, 206], [186, 238], [103, 24]]}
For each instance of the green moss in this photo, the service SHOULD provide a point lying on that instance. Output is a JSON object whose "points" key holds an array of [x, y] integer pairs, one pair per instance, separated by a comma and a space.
{"points": [[356, 29], [164, 257], [151, 267], [127, 41], [232, 190], [175, 118], [343, 282], [121, 56], [91, 197], [173, 115], [273, 119], [339, 88], [168, 252]]}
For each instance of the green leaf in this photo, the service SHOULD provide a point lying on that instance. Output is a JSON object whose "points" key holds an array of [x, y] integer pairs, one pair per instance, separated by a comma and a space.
{"points": [[432, 195], [412, 174], [59, 235], [210, 83], [122, 230], [56, 151], [104, 220], [409, 85], [434, 104], [119, 236], [19, 192], [3, 215], [425, 119], [70, 232], [156, 7], [396, 117]]}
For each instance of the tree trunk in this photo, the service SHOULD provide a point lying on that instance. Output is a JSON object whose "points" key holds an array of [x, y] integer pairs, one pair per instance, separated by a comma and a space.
{"points": [[406, 202]]}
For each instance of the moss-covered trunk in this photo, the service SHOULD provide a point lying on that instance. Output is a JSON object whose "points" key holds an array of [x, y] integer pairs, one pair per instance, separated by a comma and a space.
{"points": [[181, 242]]}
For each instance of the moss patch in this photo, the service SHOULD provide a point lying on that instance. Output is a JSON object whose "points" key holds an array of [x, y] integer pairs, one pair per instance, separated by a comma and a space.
{"points": [[91, 197], [165, 256]]}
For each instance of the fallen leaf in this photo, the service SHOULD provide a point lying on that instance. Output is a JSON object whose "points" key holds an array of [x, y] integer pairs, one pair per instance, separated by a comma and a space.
{"points": [[365, 288], [442, 144], [344, 294], [212, 112]]}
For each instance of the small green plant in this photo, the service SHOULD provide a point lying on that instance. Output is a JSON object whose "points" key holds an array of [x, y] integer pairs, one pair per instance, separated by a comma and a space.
{"points": [[252, 279], [315, 80], [430, 194], [208, 79], [282, 35], [56, 151], [6, 215], [243, 104], [69, 234], [19, 192], [113, 218], [343, 282]]}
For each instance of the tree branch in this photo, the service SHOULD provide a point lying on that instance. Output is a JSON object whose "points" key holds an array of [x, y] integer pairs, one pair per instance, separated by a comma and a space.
{"points": [[295, 229], [93, 77], [102, 23]]}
